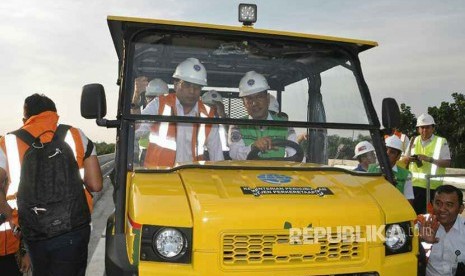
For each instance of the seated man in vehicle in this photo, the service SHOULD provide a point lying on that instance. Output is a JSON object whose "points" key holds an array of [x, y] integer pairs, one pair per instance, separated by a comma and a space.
{"points": [[403, 176], [145, 92], [365, 154], [253, 89], [181, 142]]}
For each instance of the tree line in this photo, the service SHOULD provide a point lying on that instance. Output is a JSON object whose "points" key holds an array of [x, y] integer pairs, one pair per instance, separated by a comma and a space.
{"points": [[104, 148]]}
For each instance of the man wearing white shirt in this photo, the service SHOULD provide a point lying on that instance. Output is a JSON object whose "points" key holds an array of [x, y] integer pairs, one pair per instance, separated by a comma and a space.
{"points": [[445, 230]]}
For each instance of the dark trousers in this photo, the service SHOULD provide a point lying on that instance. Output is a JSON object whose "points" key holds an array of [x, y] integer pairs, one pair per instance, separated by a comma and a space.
{"points": [[419, 203], [9, 266], [62, 255]]}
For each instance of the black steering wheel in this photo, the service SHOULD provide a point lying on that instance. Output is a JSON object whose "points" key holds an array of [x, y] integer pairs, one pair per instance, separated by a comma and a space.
{"points": [[254, 154]]}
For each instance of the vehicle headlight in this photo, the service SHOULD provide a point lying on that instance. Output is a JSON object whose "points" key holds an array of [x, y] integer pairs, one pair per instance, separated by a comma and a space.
{"points": [[398, 238], [395, 237], [170, 243]]}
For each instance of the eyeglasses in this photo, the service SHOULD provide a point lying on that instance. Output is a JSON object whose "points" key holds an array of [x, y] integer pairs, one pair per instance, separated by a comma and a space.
{"points": [[257, 98]]}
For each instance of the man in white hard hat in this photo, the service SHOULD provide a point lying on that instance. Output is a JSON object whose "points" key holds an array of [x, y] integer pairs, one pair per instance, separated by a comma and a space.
{"points": [[403, 176], [365, 154], [170, 143], [253, 89], [213, 99], [154, 88], [427, 154], [145, 92]]}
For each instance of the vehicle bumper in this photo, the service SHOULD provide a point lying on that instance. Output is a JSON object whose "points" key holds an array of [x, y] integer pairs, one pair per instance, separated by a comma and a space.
{"points": [[207, 264]]}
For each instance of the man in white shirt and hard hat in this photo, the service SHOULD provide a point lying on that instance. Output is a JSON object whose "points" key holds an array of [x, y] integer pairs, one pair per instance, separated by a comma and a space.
{"points": [[171, 143], [428, 154], [253, 89]]}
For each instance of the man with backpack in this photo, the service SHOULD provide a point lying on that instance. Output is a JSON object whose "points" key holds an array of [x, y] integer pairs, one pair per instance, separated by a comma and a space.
{"points": [[51, 169]]}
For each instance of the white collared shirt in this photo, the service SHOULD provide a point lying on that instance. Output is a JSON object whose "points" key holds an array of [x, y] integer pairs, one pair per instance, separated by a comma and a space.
{"points": [[184, 133], [443, 259]]}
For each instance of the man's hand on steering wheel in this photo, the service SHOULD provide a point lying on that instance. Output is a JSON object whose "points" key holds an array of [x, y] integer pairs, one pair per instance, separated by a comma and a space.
{"points": [[263, 144], [267, 143]]}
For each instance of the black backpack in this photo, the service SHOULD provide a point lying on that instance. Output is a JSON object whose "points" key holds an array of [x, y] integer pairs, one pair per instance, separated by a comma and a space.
{"points": [[51, 198]]}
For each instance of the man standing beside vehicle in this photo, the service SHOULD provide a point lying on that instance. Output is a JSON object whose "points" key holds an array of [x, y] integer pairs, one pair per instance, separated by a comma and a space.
{"points": [[253, 89], [428, 154], [66, 253], [181, 142]]}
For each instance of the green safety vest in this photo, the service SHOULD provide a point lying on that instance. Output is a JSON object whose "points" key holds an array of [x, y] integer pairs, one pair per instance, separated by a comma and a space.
{"points": [[401, 175], [144, 142], [433, 149], [252, 133]]}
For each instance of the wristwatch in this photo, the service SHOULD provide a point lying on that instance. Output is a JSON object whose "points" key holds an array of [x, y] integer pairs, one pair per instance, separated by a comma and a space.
{"points": [[2, 218]]}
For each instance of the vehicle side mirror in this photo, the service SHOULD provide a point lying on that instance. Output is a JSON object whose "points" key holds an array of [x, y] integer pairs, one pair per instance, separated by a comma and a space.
{"points": [[391, 113], [93, 101]]}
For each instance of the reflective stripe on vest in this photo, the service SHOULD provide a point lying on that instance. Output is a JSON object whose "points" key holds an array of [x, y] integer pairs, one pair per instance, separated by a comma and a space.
{"points": [[161, 138], [14, 167], [419, 174], [201, 136], [14, 164]]}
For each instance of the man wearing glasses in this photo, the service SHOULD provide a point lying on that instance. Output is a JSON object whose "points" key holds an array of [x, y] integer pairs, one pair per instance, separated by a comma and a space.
{"points": [[253, 89], [163, 149]]}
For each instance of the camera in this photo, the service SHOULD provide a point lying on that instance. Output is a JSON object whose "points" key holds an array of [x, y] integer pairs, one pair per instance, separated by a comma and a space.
{"points": [[414, 158]]}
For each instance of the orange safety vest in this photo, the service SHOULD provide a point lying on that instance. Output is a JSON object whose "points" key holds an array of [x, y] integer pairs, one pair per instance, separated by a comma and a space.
{"points": [[14, 149], [161, 150]]}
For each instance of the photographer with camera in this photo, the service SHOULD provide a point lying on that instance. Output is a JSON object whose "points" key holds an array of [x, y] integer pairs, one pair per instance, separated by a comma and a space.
{"points": [[428, 154]]}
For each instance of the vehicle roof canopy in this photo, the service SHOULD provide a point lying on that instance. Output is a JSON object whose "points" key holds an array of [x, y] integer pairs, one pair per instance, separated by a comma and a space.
{"points": [[257, 43]]}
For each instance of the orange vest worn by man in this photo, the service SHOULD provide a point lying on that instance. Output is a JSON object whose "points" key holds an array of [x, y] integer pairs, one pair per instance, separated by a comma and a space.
{"points": [[12, 150], [162, 147], [181, 142]]}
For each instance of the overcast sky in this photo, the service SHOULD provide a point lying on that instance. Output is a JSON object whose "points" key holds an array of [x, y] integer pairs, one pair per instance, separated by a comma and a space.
{"points": [[55, 47]]}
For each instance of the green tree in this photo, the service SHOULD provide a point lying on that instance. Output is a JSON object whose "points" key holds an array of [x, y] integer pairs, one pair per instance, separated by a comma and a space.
{"points": [[104, 148], [450, 123], [407, 121]]}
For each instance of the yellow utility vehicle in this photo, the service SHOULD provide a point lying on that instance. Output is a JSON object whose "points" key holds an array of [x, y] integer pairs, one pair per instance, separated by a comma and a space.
{"points": [[306, 214]]}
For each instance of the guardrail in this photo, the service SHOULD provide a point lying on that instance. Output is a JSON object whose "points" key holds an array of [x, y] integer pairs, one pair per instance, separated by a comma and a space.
{"points": [[441, 176], [106, 162]]}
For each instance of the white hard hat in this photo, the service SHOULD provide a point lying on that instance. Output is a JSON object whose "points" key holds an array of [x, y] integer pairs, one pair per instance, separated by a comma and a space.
{"points": [[211, 96], [394, 142], [425, 120], [274, 105], [156, 87], [362, 148], [191, 70], [251, 83]]}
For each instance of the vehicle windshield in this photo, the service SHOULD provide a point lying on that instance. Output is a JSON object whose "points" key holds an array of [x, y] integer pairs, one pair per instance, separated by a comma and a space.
{"points": [[310, 82]]}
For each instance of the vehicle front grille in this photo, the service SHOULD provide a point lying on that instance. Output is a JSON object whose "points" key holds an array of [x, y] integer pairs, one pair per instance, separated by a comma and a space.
{"points": [[257, 249]]}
